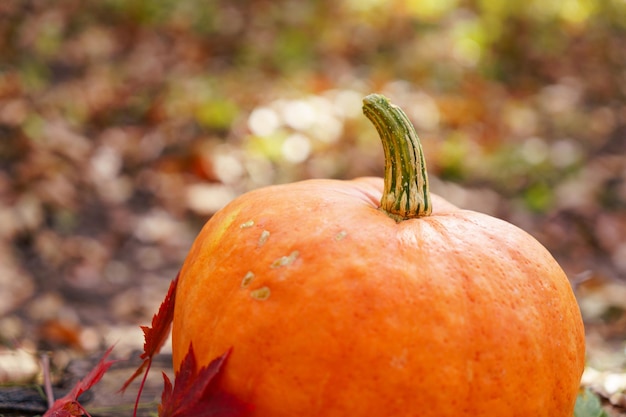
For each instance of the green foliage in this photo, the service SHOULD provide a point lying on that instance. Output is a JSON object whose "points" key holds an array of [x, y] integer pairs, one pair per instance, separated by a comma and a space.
{"points": [[538, 197], [216, 114], [588, 405], [454, 154], [195, 14]]}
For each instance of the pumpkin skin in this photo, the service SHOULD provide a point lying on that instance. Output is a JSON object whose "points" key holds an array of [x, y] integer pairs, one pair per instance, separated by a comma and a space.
{"points": [[333, 308]]}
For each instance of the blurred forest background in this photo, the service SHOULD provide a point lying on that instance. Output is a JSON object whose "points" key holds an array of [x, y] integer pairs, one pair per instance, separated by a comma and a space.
{"points": [[124, 124]]}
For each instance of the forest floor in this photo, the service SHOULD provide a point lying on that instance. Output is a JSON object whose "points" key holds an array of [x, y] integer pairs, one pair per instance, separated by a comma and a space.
{"points": [[123, 128]]}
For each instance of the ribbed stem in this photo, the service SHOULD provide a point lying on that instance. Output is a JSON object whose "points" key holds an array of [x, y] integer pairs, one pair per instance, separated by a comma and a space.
{"points": [[406, 194]]}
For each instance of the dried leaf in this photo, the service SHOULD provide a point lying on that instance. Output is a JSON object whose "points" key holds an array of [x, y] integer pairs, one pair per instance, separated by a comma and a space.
{"points": [[156, 335], [68, 406], [196, 393]]}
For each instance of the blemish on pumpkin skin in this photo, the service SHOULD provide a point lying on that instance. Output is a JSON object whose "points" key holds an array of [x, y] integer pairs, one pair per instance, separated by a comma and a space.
{"points": [[400, 361], [247, 279], [263, 238], [285, 260], [247, 224], [341, 235], [260, 294]]}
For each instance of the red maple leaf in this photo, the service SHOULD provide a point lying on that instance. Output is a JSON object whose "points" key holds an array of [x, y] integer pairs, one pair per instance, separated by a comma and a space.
{"points": [[196, 393], [68, 406], [155, 337]]}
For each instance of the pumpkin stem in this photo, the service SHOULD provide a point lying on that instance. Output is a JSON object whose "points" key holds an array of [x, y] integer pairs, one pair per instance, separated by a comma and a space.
{"points": [[405, 194]]}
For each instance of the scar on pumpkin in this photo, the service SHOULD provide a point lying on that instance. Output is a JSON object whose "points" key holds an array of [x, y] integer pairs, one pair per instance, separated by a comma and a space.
{"points": [[341, 235], [247, 279], [285, 260], [260, 294], [247, 224], [263, 238]]}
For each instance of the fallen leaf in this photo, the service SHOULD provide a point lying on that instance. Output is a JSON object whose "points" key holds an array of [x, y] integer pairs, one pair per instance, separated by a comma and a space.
{"points": [[68, 406], [588, 405], [156, 335], [196, 393]]}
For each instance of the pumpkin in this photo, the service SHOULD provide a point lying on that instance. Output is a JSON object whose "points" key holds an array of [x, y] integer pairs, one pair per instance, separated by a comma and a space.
{"points": [[373, 297]]}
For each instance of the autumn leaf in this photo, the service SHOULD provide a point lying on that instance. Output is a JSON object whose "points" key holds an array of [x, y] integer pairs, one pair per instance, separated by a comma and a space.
{"points": [[154, 336], [68, 406], [196, 393]]}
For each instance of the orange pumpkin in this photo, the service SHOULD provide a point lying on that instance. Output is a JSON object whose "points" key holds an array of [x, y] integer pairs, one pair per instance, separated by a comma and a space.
{"points": [[335, 305]]}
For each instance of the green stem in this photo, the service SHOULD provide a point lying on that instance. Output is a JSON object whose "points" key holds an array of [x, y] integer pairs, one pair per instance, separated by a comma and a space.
{"points": [[405, 194]]}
